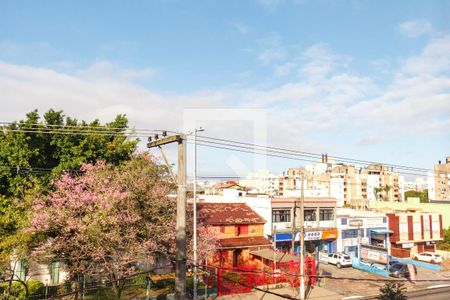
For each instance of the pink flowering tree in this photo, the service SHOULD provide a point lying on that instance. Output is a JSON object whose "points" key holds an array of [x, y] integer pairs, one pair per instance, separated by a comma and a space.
{"points": [[102, 223]]}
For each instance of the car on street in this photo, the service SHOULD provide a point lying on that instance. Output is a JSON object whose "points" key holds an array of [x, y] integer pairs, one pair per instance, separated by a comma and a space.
{"points": [[339, 260], [400, 270], [428, 257]]}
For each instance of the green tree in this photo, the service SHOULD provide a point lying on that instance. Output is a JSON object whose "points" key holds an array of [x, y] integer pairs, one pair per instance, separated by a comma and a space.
{"points": [[392, 291], [445, 243], [423, 196], [36, 151]]}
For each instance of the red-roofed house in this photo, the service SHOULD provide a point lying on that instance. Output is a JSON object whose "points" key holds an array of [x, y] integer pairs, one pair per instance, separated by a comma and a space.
{"points": [[239, 230]]}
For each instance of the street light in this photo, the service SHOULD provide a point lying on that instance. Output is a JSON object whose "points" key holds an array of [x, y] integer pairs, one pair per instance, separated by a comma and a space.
{"points": [[200, 129]]}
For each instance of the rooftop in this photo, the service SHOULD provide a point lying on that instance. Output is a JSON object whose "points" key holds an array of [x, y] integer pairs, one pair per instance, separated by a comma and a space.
{"points": [[244, 242], [227, 213]]}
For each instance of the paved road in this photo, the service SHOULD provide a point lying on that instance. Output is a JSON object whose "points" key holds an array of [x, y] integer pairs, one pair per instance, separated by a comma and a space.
{"points": [[426, 294], [357, 286]]}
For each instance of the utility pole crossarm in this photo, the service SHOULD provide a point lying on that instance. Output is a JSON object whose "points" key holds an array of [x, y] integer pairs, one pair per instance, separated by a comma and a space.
{"points": [[164, 141]]}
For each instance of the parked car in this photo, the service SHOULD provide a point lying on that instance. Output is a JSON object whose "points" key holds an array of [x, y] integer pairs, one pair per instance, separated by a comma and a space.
{"points": [[340, 260], [379, 266], [428, 257], [400, 270]]}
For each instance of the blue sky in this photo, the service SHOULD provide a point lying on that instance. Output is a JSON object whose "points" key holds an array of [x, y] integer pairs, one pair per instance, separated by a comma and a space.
{"points": [[362, 79]]}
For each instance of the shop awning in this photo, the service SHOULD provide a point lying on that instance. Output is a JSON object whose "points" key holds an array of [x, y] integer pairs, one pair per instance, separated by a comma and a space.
{"points": [[283, 237], [381, 231]]}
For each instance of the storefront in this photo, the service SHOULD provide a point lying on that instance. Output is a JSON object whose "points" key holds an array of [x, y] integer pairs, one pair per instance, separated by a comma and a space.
{"points": [[315, 241]]}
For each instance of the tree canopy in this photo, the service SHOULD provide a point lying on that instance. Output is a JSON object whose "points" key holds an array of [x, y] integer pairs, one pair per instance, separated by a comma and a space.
{"points": [[37, 150], [110, 218]]}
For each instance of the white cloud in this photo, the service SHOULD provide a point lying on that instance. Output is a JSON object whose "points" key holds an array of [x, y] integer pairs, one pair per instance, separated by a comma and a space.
{"points": [[434, 58], [415, 28], [271, 49], [370, 140], [328, 101]]}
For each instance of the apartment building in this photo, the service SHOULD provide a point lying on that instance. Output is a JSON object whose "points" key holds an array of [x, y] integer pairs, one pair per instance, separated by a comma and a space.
{"points": [[439, 181], [383, 184], [418, 185], [414, 232], [263, 181], [348, 184]]}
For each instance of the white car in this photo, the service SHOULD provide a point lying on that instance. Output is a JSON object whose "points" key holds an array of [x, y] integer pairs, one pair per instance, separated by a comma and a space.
{"points": [[428, 257], [340, 260]]}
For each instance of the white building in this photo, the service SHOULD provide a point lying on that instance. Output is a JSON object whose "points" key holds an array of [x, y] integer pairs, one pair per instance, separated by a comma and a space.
{"points": [[263, 181], [370, 227], [419, 185]]}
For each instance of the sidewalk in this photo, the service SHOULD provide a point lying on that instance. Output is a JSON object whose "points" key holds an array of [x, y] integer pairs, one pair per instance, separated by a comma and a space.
{"points": [[316, 293]]}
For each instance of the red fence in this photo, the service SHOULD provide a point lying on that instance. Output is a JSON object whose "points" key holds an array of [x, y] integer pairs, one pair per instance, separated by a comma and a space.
{"points": [[243, 279]]}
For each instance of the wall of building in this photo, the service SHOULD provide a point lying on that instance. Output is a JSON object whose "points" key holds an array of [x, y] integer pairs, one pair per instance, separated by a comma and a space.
{"points": [[229, 231], [414, 203]]}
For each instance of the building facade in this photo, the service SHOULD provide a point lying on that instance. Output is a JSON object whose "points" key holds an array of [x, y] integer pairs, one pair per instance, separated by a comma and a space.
{"points": [[414, 232], [238, 229], [358, 228], [263, 181], [348, 184], [319, 223], [439, 181]]}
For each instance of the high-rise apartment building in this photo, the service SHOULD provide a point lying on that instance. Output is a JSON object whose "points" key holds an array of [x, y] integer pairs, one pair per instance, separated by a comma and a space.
{"points": [[439, 181], [347, 183]]}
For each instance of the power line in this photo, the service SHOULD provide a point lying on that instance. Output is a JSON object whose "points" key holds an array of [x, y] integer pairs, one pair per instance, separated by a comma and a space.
{"points": [[312, 154], [252, 148], [144, 132], [225, 146]]}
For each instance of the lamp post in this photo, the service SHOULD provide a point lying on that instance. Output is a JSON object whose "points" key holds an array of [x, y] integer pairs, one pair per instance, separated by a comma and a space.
{"points": [[200, 129]]}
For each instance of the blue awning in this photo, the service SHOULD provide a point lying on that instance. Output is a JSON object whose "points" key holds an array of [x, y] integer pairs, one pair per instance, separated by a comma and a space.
{"points": [[284, 237], [381, 231]]}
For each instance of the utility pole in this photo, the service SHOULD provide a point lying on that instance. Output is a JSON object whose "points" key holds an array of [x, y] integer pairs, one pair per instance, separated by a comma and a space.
{"points": [[302, 242], [294, 213], [195, 211], [180, 271]]}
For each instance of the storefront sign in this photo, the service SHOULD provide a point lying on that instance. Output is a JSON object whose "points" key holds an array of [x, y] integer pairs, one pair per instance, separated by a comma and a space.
{"points": [[373, 254], [432, 243], [313, 235], [407, 245], [329, 234], [355, 223], [318, 235]]}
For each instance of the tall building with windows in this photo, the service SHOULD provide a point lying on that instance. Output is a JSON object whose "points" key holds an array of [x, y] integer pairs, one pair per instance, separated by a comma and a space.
{"points": [[439, 181], [348, 184], [263, 181]]}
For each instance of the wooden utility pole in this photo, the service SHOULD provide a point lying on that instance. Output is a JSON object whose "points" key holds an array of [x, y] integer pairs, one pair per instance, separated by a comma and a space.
{"points": [[294, 213], [302, 242], [180, 272]]}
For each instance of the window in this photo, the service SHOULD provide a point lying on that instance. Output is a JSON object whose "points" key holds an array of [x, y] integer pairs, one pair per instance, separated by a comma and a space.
{"points": [[384, 220], [326, 215], [22, 269], [310, 215], [349, 233], [241, 230], [54, 273], [344, 221], [281, 215]]}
